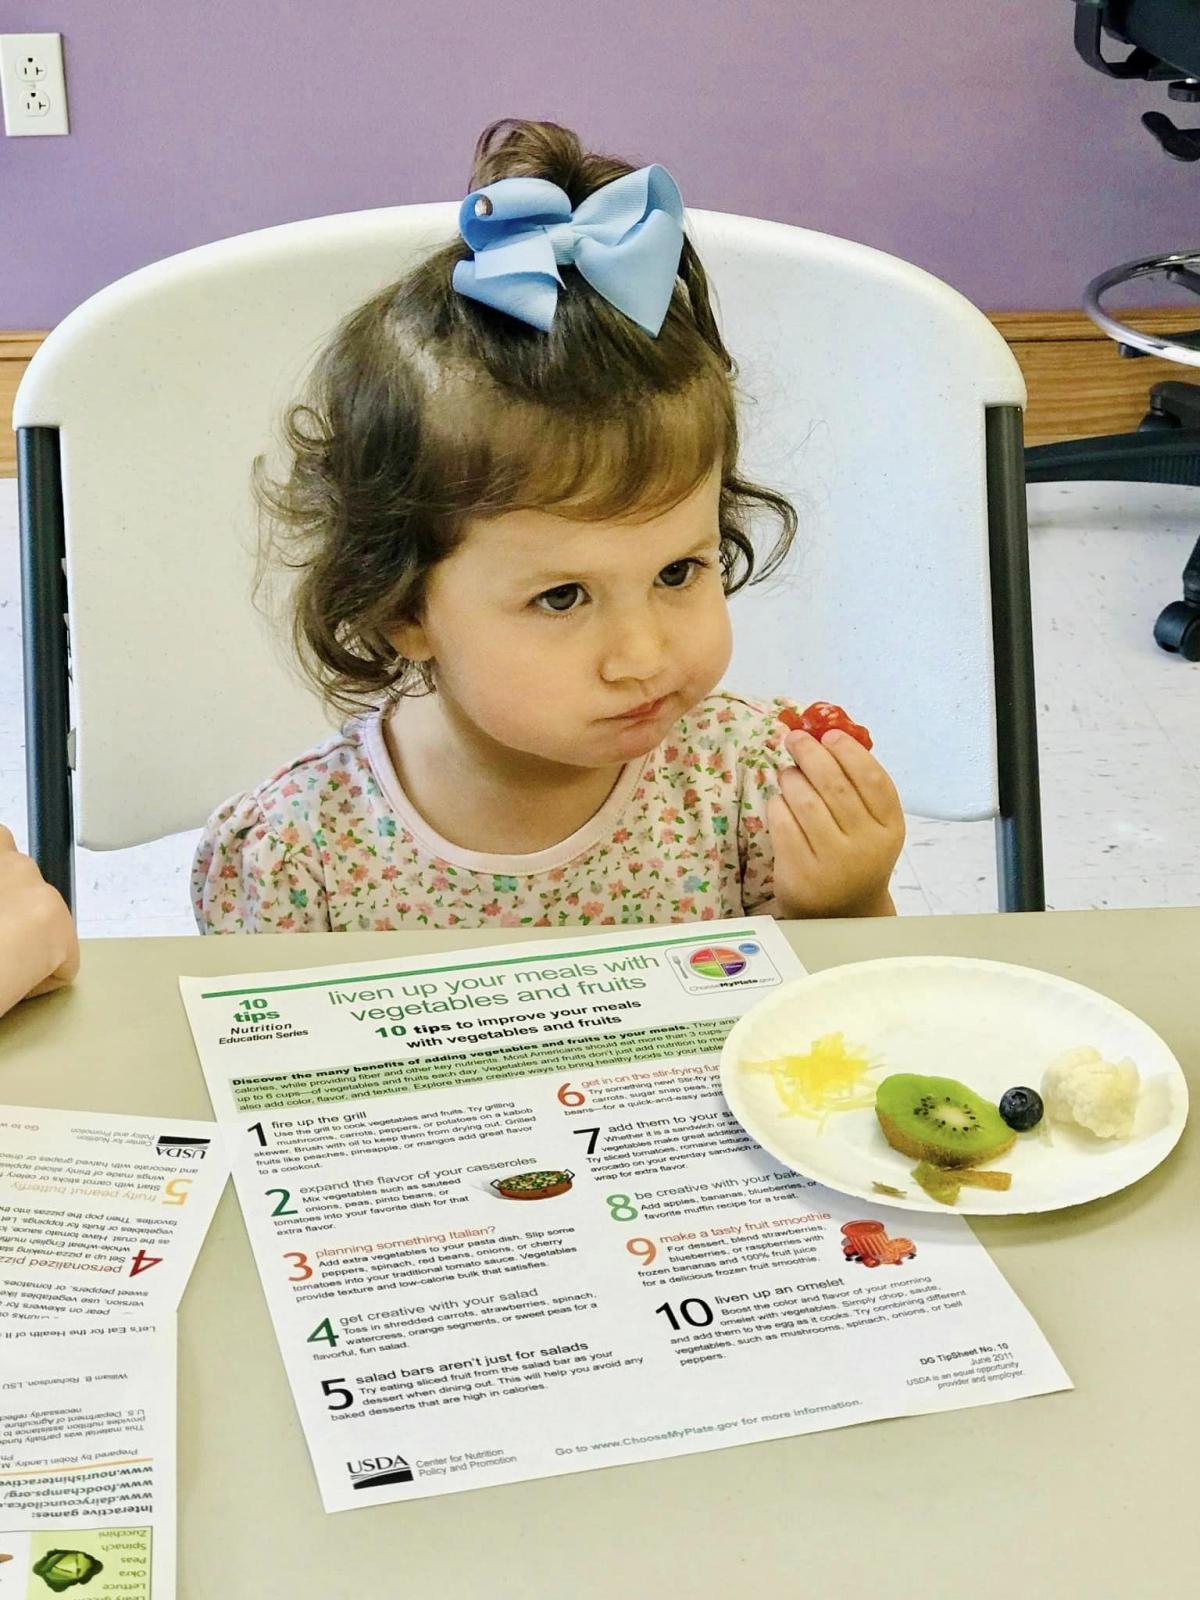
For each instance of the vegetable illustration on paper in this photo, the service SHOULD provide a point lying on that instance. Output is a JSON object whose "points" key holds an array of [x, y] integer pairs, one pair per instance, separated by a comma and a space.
{"points": [[533, 1185], [63, 1569]]}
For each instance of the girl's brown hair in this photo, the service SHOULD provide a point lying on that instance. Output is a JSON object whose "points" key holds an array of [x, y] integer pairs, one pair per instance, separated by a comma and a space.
{"points": [[427, 409]]}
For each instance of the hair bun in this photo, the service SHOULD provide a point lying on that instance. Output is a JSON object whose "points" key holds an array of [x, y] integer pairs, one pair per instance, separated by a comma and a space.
{"points": [[514, 148]]}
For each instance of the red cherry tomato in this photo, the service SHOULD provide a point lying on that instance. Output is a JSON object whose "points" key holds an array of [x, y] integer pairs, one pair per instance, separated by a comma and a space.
{"points": [[821, 718]]}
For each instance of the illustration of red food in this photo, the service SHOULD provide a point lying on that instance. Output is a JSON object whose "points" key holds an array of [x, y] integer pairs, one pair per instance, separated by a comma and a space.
{"points": [[868, 1243], [823, 717], [859, 1232], [896, 1250]]}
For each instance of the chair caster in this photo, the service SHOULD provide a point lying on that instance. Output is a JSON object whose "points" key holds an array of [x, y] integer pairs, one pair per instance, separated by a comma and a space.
{"points": [[1178, 629]]}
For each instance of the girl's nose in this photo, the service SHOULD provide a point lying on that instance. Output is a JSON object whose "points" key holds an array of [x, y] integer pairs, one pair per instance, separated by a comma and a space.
{"points": [[633, 648]]}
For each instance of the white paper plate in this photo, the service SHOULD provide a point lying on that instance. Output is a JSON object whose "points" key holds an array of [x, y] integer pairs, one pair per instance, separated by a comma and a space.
{"points": [[988, 1024]]}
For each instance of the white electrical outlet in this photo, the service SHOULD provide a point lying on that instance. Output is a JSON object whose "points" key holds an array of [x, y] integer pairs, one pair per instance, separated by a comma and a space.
{"points": [[31, 77]]}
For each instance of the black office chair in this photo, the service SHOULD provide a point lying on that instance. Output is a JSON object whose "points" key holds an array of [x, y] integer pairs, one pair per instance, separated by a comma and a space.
{"points": [[1165, 448]]}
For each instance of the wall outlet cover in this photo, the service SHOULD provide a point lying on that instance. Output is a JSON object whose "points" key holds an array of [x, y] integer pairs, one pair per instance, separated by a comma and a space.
{"points": [[34, 88]]}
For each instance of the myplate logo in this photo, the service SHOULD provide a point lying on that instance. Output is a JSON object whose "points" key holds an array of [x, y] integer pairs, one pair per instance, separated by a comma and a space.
{"points": [[374, 1471], [721, 960], [182, 1147], [704, 967]]}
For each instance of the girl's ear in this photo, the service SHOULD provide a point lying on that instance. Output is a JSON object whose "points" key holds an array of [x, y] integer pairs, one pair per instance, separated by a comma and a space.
{"points": [[409, 640]]}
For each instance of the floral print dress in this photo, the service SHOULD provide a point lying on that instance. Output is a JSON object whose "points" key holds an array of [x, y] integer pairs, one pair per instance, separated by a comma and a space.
{"points": [[331, 842]]}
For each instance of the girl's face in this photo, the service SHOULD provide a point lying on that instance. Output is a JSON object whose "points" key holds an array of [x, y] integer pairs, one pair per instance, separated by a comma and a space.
{"points": [[579, 643]]}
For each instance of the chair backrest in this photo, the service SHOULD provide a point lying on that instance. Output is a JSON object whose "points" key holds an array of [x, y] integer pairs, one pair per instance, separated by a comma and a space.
{"points": [[866, 382]]}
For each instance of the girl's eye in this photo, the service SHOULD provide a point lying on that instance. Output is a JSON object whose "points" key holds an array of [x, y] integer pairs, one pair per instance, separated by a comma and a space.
{"points": [[565, 598], [680, 573]]}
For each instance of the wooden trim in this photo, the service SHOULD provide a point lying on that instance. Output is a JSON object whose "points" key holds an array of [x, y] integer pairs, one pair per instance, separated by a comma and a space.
{"points": [[1020, 327], [1078, 385], [18, 346]]}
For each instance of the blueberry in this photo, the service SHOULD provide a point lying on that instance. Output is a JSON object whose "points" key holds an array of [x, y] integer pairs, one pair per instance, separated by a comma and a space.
{"points": [[1021, 1109]]}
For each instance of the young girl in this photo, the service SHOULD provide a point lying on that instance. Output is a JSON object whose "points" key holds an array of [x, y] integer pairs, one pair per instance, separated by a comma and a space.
{"points": [[515, 506]]}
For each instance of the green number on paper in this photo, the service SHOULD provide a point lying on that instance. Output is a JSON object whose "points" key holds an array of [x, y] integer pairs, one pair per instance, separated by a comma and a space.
{"points": [[281, 1210], [322, 1332], [621, 1207]]}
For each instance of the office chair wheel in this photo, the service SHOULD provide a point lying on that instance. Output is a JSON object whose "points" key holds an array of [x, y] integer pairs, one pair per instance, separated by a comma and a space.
{"points": [[1178, 629]]}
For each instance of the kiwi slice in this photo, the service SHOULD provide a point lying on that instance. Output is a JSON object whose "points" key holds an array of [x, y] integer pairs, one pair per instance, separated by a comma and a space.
{"points": [[940, 1120]]}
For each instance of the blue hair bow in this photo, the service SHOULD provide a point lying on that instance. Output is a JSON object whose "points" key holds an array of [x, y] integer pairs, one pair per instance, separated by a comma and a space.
{"points": [[625, 239]]}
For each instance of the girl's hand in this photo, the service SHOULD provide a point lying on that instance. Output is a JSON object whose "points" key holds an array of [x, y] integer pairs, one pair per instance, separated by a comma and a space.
{"points": [[38, 947], [837, 830]]}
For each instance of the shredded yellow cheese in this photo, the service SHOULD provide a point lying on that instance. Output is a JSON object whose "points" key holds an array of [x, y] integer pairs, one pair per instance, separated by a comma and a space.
{"points": [[831, 1077]]}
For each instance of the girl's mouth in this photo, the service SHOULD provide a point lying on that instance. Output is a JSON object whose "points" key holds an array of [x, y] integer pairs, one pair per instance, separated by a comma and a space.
{"points": [[643, 713]]}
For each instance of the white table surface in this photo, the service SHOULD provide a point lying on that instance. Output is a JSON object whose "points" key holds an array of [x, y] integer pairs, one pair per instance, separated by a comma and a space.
{"points": [[1083, 1494]]}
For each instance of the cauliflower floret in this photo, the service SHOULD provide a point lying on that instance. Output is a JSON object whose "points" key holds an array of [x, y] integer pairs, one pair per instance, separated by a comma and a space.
{"points": [[1081, 1087]]}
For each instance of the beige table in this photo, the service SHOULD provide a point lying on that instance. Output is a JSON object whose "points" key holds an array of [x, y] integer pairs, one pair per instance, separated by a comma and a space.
{"points": [[1086, 1494]]}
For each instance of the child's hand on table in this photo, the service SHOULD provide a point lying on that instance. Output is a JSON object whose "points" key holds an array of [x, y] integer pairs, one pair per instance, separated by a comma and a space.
{"points": [[837, 829], [38, 947]]}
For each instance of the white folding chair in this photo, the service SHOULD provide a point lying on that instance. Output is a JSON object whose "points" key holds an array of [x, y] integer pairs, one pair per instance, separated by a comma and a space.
{"points": [[882, 401]]}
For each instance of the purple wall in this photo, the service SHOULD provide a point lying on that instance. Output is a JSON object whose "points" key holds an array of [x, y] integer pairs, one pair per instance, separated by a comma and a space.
{"points": [[962, 134]]}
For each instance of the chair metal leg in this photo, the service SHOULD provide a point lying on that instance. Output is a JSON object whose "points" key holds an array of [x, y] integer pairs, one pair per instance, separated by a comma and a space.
{"points": [[47, 669], [1019, 825]]}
